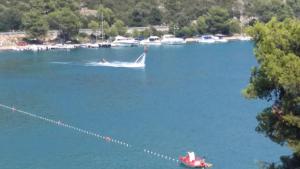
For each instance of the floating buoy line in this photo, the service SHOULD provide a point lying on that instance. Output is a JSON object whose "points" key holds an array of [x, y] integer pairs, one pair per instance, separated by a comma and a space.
{"points": [[107, 139]]}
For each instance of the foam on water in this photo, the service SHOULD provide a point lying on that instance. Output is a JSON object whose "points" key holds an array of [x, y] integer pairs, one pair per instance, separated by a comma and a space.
{"points": [[61, 63], [139, 63], [117, 64]]}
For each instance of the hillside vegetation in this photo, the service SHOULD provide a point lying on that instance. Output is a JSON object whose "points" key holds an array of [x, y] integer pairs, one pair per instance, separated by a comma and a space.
{"points": [[188, 17]]}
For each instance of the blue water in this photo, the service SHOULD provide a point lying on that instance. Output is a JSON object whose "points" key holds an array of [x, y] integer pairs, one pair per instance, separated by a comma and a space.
{"points": [[188, 98]]}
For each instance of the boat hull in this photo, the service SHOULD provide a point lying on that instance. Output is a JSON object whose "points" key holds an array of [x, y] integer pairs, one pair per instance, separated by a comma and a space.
{"points": [[194, 164], [124, 44]]}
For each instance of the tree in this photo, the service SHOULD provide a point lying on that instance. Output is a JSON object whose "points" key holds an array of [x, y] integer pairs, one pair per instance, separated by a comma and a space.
{"points": [[295, 5], [146, 33], [108, 14], [137, 18], [234, 26], [10, 19], [119, 27], [277, 80], [113, 31], [135, 33], [66, 21], [143, 13], [35, 25], [267, 9], [187, 31], [155, 17], [106, 29], [94, 26], [172, 7], [202, 27], [217, 20]]}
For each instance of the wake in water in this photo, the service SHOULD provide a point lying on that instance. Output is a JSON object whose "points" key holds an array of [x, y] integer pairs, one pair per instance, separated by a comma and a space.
{"points": [[61, 63], [138, 63]]}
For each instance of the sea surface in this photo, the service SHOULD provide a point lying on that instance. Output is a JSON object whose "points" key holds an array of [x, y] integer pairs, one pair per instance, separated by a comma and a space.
{"points": [[188, 98]]}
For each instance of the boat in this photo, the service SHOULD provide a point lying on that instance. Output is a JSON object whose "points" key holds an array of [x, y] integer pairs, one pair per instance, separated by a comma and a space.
{"points": [[219, 38], [152, 40], [190, 160], [121, 41], [62, 46], [191, 40], [104, 45], [207, 39], [172, 40], [245, 38], [92, 45]]}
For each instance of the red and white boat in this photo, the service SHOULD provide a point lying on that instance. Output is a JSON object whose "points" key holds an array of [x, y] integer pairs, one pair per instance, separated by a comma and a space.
{"points": [[191, 160]]}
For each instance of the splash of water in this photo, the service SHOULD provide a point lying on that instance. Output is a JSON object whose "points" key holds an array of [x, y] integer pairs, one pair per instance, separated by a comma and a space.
{"points": [[139, 63]]}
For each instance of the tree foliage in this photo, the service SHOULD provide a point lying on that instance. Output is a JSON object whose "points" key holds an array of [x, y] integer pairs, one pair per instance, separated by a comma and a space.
{"points": [[10, 19], [66, 21], [218, 16], [265, 10], [217, 20], [94, 26], [35, 24], [277, 79]]}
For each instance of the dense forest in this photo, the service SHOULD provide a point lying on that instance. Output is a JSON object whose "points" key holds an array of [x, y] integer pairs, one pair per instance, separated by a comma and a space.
{"points": [[189, 17]]}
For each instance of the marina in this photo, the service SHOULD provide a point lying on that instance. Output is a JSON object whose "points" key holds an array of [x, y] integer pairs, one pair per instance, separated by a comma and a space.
{"points": [[121, 41]]}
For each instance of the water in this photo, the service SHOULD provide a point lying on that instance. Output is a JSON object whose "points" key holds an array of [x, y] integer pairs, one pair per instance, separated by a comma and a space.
{"points": [[187, 98]]}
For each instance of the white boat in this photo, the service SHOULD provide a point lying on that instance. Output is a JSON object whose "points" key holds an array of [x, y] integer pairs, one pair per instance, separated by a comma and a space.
{"points": [[207, 39], [245, 38], [152, 40], [92, 45], [220, 38], [121, 41], [172, 40], [62, 46]]}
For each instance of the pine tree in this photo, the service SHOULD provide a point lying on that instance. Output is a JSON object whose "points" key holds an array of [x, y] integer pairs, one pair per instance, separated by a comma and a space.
{"points": [[277, 79]]}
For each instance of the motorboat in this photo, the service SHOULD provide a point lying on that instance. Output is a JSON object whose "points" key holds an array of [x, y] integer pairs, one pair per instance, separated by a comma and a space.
{"points": [[62, 46], [190, 160], [245, 38], [152, 40], [89, 45], [121, 41], [219, 38], [172, 40], [207, 39]]}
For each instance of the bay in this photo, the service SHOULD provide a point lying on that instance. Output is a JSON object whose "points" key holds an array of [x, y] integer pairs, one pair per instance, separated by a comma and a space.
{"points": [[188, 98]]}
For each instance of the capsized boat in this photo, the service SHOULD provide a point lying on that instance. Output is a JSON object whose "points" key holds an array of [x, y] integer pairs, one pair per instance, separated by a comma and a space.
{"points": [[190, 160]]}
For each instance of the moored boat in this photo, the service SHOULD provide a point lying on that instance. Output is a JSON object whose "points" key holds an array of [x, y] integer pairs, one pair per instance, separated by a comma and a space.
{"points": [[245, 38], [172, 40], [152, 40], [121, 41], [219, 38], [207, 39]]}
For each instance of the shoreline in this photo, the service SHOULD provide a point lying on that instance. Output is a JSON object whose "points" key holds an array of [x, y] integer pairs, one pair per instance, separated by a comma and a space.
{"points": [[10, 43]]}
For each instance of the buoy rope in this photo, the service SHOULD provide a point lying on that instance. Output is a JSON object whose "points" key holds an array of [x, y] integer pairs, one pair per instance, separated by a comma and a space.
{"points": [[107, 139]]}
